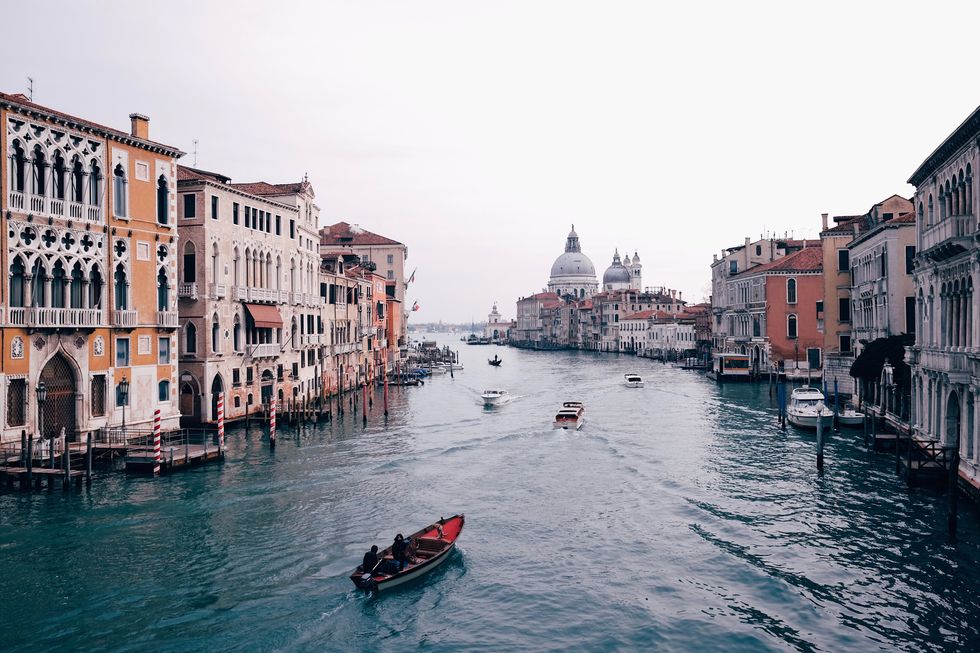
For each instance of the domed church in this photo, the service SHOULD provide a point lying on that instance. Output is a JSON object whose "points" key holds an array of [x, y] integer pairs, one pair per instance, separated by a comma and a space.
{"points": [[573, 273], [623, 274]]}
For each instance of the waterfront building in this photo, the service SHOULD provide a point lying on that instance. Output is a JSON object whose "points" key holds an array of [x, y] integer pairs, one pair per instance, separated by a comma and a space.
{"points": [[89, 209], [572, 273], [611, 306], [775, 312], [945, 359], [496, 329], [386, 254], [702, 330], [347, 283], [534, 313], [251, 312]]}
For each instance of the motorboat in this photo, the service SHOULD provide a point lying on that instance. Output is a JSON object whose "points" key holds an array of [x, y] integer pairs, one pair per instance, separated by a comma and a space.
{"points": [[495, 397], [571, 416], [633, 380], [851, 418], [428, 548], [806, 406]]}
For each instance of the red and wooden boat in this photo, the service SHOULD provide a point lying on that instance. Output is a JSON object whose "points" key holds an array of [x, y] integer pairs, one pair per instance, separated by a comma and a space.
{"points": [[428, 548]]}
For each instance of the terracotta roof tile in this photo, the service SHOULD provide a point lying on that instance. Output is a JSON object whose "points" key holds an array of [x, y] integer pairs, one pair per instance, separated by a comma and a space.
{"points": [[344, 234], [809, 259], [265, 188], [544, 296], [193, 174]]}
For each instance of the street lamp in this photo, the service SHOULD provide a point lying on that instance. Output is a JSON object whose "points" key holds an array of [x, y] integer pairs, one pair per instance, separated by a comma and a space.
{"points": [[42, 396], [123, 388]]}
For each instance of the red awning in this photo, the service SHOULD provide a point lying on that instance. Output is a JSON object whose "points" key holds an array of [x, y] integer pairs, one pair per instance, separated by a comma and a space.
{"points": [[265, 317]]}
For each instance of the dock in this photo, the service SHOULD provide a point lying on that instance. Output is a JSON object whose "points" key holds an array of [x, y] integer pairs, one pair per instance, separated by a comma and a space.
{"points": [[178, 449]]}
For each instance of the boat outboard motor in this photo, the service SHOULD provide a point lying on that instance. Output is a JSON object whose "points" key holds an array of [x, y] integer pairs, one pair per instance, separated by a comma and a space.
{"points": [[368, 583]]}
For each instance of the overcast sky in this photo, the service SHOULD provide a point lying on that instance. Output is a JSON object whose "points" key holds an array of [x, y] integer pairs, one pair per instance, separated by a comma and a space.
{"points": [[477, 132]]}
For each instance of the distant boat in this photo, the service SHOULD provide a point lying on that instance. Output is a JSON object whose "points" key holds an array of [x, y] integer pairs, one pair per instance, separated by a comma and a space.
{"points": [[428, 548], [495, 361], [806, 406], [571, 416], [495, 397], [727, 367], [633, 380]]}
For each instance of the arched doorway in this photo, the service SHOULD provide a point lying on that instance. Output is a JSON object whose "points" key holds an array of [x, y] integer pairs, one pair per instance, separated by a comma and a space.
{"points": [[190, 409], [58, 377], [217, 387], [266, 387], [953, 419]]}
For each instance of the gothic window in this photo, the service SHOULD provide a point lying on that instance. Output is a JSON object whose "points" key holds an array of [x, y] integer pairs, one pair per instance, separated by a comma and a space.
{"points": [[95, 288], [215, 262], [235, 271], [119, 191], [191, 339], [163, 291], [76, 292], [190, 263], [163, 200], [77, 181], [37, 284], [19, 168], [121, 295], [17, 283], [215, 334], [95, 185], [237, 334], [59, 176]]}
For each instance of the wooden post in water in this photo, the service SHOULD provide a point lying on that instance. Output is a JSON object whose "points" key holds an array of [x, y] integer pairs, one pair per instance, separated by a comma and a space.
{"points": [[954, 488], [836, 408], [66, 464], [386, 383], [364, 403], [88, 459], [820, 441], [864, 425], [156, 437], [30, 460], [23, 447], [782, 406]]}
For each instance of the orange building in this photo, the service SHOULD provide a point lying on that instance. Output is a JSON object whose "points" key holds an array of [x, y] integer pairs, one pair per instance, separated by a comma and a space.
{"points": [[90, 249]]}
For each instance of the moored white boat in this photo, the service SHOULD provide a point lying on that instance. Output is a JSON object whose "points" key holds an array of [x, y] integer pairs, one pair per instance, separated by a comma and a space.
{"points": [[633, 380], [495, 397], [850, 417], [806, 406], [571, 416]]}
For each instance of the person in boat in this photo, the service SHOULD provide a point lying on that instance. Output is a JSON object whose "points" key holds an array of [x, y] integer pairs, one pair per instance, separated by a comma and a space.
{"points": [[399, 551], [370, 560]]}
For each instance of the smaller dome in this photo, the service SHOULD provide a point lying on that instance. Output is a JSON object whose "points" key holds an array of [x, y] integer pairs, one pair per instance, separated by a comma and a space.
{"points": [[636, 258], [616, 273]]}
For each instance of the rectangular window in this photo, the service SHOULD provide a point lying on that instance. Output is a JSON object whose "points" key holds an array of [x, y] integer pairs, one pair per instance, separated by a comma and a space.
{"points": [[843, 260], [236, 377], [163, 351], [845, 344], [295, 370], [813, 357], [844, 309], [164, 391], [279, 372], [391, 259], [733, 267], [820, 307], [248, 375], [234, 213], [292, 228], [190, 205], [884, 265], [909, 260], [278, 225], [214, 207], [98, 395], [910, 315], [391, 275], [122, 352], [16, 402]]}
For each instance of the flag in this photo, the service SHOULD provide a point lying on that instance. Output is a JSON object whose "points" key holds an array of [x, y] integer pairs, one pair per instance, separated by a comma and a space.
{"points": [[412, 277], [415, 306]]}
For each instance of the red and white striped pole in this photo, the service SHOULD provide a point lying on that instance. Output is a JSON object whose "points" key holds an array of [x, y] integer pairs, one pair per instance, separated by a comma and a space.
{"points": [[385, 372], [221, 421], [156, 442], [272, 419]]}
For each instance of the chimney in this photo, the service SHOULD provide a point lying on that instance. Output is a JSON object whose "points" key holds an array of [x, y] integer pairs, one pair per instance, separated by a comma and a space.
{"points": [[855, 226], [139, 126], [823, 216]]}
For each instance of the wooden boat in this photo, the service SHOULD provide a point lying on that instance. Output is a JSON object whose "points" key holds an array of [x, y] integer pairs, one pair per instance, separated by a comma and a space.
{"points": [[495, 361], [428, 548], [571, 416]]}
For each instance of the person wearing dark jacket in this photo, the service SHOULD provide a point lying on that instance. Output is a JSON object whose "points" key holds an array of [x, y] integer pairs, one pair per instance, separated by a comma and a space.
{"points": [[399, 551], [370, 560]]}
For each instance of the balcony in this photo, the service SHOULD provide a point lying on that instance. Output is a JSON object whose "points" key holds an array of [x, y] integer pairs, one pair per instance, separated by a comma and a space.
{"points": [[346, 348], [295, 298], [948, 237], [265, 350], [263, 295], [187, 290], [124, 319], [218, 290], [56, 318], [42, 205], [240, 293], [167, 319], [311, 339]]}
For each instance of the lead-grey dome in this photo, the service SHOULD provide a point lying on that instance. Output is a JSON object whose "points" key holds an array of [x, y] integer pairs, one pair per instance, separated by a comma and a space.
{"points": [[573, 263], [617, 272]]}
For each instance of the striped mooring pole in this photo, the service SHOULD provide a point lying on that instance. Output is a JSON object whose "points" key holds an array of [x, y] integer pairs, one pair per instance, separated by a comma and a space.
{"points": [[272, 421], [156, 442], [221, 421]]}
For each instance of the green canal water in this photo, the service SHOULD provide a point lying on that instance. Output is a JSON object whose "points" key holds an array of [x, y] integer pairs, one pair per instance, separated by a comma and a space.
{"points": [[680, 518]]}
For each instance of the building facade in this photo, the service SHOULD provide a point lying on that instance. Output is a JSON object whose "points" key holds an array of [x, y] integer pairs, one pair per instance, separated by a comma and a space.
{"points": [[90, 211]]}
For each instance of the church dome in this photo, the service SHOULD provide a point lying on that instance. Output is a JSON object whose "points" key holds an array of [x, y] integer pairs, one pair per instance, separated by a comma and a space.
{"points": [[573, 263], [616, 273]]}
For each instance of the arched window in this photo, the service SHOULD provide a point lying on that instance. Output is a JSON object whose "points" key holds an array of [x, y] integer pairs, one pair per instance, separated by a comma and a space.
{"points": [[121, 298], [278, 284], [215, 261], [791, 325], [77, 181], [37, 283], [59, 176], [235, 269], [791, 291], [920, 211], [77, 286], [17, 283], [95, 185], [163, 201], [190, 263], [119, 191], [39, 168], [215, 334], [190, 339], [237, 334], [19, 168], [163, 291], [95, 288], [930, 209], [163, 390]]}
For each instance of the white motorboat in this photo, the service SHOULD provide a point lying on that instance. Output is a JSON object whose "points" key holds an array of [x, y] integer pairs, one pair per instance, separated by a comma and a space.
{"points": [[806, 405], [850, 417], [633, 380], [495, 397], [571, 416]]}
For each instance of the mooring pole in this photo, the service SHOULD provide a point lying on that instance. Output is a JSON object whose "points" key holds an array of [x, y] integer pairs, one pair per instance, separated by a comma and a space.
{"points": [[954, 488], [23, 447], [30, 459], [364, 402], [272, 420], [836, 408], [66, 465], [88, 459], [820, 441]]}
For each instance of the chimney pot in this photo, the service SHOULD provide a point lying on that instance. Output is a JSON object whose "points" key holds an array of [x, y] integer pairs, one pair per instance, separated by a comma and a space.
{"points": [[823, 217], [139, 126]]}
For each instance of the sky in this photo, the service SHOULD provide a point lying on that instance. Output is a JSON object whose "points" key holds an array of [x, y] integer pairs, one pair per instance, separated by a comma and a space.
{"points": [[477, 133]]}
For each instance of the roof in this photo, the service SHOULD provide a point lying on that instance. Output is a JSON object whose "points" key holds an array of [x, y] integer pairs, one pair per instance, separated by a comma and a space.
{"points": [[585, 304], [960, 137], [845, 224], [809, 259], [544, 296], [903, 218], [185, 173], [343, 233], [265, 188], [646, 315], [20, 101], [790, 242]]}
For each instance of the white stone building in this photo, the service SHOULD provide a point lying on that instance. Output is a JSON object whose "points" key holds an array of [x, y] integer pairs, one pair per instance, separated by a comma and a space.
{"points": [[572, 273]]}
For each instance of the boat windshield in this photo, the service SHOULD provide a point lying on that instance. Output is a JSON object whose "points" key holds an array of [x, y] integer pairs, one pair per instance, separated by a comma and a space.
{"points": [[808, 402]]}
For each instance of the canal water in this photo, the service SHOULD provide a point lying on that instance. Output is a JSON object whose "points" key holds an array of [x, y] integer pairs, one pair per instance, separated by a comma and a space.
{"points": [[679, 518]]}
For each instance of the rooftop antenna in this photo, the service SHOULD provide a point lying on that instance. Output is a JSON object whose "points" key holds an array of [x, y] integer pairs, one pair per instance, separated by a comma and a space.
{"points": [[30, 88], [195, 152]]}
